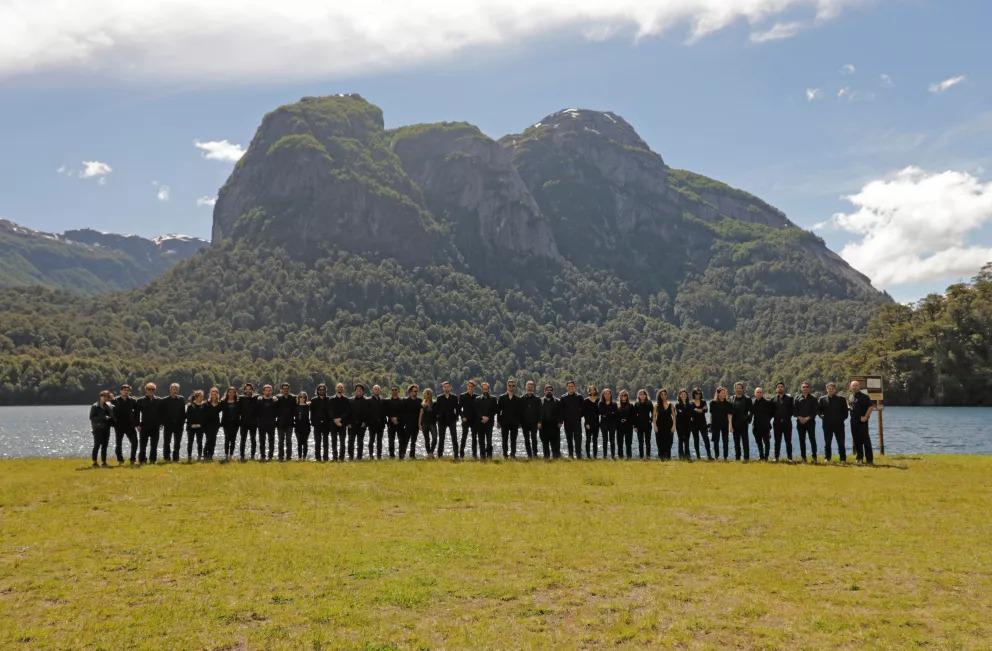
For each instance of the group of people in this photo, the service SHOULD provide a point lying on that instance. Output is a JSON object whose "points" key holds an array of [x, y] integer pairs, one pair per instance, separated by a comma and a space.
{"points": [[272, 425]]}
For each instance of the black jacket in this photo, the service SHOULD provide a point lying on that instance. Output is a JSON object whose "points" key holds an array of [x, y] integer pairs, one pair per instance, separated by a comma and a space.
{"points": [[340, 408], [625, 416], [571, 408], [285, 410], [196, 417], [301, 421], [230, 413], [698, 417], [486, 405], [101, 418], [248, 407], [608, 413], [683, 415], [805, 406], [550, 412], [266, 412], [125, 412], [410, 412], [665, 419], [530, 410], [173, 411], [833, 410], [149, 412], [784, 406], [742, 409], [359, 411], [320, 412], [643, 413], [860, 403], [764, 411], [719, 412], [375, 415], [467, 407], [509, 410], [446, 408], [590, 413], [394, 409]]}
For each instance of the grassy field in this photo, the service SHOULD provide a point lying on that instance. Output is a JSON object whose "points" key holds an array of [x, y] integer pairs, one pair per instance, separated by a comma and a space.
{"points": [[501, 555]]}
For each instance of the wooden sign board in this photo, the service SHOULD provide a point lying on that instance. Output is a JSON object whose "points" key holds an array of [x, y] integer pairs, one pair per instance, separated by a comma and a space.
{"points": [[872, 385]]}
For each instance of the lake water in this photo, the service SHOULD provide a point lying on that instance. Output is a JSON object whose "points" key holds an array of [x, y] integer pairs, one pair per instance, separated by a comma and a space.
{"points": [[64, 431]]}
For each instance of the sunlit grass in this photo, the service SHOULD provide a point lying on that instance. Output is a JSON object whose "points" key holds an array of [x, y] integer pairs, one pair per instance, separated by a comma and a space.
{"points": [[498, 555]]}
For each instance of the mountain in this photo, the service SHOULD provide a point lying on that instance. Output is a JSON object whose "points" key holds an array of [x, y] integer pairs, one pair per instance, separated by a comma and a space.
{"points": [[86, 261], [345, 251]]}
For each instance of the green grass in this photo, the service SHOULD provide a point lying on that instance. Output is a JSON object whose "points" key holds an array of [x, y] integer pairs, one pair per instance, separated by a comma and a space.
{"points": [[500, 555]]}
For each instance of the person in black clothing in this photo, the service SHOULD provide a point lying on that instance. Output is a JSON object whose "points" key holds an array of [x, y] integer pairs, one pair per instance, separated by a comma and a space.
{"points": [[149, 423], [356, 422], [195, 419], [427, 424], [590, 421], [643, 415], [266, 423], [125, 420], [212, 409], [469, 417], [549, 424], [804, 408], [697, 425], [763, 412], [173, 422], [571, 415], [101, 419], [340, 411], [832, 410], [683, 423], [285, 420], [625, 425], [248, 417], [664, 424], [376, 416], [861, 407], [394, 416], [320, 418], [486, 407], [301, 425], [508, 409], [530, 416], [741, 412], [230, 421], [782, 422], [608, 423], [409, 422], [446, 412], [720, 416]]}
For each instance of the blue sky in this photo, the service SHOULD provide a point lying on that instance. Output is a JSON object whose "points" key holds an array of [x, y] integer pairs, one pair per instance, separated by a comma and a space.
{"points": [[724, 101]]}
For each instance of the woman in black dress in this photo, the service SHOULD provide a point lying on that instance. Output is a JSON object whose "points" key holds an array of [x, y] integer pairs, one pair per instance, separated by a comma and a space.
{"points": [[212, 413], [698, 423], [664, 424], [608, 423], [301, 425], [590, 416], [230, 421], [196, 418], [427, 422], [643, 415], [101, 418], [625, 425], [683, 423]]}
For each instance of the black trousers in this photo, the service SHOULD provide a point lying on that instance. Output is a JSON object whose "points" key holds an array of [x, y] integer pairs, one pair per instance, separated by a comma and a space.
{"points": [[194, 436], [741, 440], [210, 442], [550, 440], [609, 440], [321, 441], [592, 440], [763, 439], [285, 434], [664, 440], [132, 438], [246, 432], [408, 440], [834, 431], [429, 430], [101, 439], [783, 430], [719, 429], [486, 440], [573, 438], [807, 430], [230, 440], [392, 432], [266, 437], [375, 441], [684, 431], [356, 439], [862, 442], [530, 440], [697, 426], [625, 441], [644, 442], [149, 436], [338, 438], [470, 428], [443, 429], [509, 433], [173, 437], [302, 441]]}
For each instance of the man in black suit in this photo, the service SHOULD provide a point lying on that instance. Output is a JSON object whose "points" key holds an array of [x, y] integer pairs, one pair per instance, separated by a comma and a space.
{"points": [[530, 416], [285, 418], [508, 410], [470, 419], [486, 408], [340, 412], [125, 420], [833, 412], [149, 423], [782, 421], [571, 414], [173, 420], [394, 418], [550, 424], [320, 417], [376, 416], [805, 408], [741, 412], [357, 422], [861, 408], [446, 411]]}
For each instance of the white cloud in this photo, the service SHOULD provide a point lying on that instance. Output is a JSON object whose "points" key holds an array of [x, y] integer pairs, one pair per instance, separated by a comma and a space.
{"points": [[917, 226], [229, 40], [777, 32], [220, 150], [887, 81], [947, 84], [813, 94], [162, 191], [91, 169], [848, 69], [206, 201]]}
